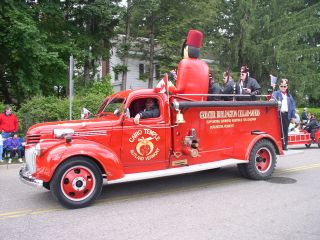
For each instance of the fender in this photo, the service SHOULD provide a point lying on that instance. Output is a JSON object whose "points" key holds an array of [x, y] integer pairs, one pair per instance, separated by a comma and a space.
{"points": [[54, 156], [243, 146]]}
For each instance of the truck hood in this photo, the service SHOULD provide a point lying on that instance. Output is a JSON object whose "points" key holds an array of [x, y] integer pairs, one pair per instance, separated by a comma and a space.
{"points": [[45, 130]]}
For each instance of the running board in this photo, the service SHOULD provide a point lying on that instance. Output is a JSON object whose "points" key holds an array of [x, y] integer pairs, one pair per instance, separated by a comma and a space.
{"points": [[176, 171]]}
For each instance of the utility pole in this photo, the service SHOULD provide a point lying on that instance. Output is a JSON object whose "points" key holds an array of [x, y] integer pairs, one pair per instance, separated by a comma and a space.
{"points": [[71, 67]]}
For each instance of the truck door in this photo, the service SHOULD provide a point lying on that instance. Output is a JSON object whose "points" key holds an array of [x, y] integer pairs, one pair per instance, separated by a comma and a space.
{"points": [[144, 144]]}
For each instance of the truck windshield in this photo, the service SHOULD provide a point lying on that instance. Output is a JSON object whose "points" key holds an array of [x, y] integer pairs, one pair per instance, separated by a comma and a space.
{"points": [[111, 106]]}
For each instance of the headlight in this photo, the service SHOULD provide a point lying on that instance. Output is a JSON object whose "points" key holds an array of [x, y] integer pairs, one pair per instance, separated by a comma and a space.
{"points": [[37, 149]]}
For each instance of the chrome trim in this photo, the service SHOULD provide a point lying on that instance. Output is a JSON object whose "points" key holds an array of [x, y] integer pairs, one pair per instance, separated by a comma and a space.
{"points": [[27, 178], [177, 170], [31, 156]]}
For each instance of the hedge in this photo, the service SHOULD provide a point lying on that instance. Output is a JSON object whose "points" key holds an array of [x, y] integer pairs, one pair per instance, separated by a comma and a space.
{"points": [[45, 109], [315, 111]]}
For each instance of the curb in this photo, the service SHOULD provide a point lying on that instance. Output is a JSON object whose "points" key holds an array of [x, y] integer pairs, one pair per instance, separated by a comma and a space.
{"points": [[11, 164]]}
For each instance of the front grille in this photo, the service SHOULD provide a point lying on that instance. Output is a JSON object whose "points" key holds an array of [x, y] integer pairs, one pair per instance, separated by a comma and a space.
{"points": [[30, 155], [33, 138]]}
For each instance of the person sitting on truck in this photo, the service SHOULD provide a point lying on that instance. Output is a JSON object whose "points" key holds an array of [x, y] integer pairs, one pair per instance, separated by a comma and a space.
{"points": [[214, 88], [312, 126], [151, 111], [247, 85], [229, 85]]}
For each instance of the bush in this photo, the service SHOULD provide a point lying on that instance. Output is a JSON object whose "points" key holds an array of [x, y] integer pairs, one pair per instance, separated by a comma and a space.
{"points": [[45, 109], [315, 111]]}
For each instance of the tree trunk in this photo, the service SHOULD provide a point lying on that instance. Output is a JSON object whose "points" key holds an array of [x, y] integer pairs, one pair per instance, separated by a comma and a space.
{"points": [[86, 72]]}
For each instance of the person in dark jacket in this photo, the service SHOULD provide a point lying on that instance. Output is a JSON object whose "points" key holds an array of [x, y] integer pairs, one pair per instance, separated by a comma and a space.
{"points": [[151, 111], [304, 116], [247, 85], [312, 126], [214, 88], [229, 86], [287, 109]]}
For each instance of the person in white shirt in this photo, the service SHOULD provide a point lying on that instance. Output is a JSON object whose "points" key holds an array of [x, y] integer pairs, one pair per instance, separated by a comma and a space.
{"points": [[287, 109]]}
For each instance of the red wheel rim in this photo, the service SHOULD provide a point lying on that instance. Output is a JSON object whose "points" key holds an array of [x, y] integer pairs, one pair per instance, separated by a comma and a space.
{"points": [[78, 183], [263, 160]]}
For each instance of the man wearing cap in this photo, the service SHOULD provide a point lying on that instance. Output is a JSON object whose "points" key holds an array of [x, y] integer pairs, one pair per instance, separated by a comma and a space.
{"points": [[287, 109], [193, 73], [247, 85]]}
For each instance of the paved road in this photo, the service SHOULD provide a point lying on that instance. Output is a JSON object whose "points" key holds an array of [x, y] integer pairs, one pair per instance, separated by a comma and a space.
{"points": [[205, 205]]}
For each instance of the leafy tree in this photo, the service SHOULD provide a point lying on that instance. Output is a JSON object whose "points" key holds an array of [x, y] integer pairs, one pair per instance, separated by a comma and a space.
{"points": [[37, 40], [25, 59]]}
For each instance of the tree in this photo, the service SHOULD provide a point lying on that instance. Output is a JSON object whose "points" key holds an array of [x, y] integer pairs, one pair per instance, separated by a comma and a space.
{"points": [[37, 40], [25, 59]]}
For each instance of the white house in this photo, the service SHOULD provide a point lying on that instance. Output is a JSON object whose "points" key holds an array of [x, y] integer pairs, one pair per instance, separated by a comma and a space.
{"points": [[138, 68]]}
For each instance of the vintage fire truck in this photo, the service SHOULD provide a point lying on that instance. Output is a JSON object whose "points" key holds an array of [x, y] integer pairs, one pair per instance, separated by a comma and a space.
{"points": [[73, 158]]}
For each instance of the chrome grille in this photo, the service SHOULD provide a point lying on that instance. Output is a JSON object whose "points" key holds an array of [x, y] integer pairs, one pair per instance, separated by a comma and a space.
{"points": [[30, 155], [33, 138]]}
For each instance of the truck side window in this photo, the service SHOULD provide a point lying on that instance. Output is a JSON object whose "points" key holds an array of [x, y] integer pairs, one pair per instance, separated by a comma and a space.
{"points": [[146, 107]]}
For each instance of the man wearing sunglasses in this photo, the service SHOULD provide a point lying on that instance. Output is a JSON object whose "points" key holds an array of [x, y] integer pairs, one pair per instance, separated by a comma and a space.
{"points": [[287, 109], [247, 85]]}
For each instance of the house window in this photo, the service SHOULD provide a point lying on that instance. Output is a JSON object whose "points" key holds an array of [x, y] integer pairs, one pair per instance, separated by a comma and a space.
{"points": [[116, 76], [141, 70]]}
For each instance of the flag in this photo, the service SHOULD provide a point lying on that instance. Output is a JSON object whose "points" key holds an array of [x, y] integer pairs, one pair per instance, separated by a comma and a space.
{"points": [[162, 86]]}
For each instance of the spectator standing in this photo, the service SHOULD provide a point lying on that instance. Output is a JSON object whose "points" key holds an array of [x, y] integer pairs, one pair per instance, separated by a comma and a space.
{"points": [[1, 148], [8, 123], [287, 109], [214, 88], [304, 116], [14, 147], [297, 118]]}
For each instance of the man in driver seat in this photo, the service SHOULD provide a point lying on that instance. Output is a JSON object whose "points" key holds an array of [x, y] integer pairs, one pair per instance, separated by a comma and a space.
{"points": [[151, 111]]}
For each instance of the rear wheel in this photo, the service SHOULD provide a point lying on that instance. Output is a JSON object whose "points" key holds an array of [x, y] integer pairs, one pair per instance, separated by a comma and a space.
{"points": [[77, 182], [262, 161]]}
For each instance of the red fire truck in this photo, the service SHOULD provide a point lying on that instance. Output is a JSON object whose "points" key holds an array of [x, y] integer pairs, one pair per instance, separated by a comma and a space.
{"points": [[72, 158]]}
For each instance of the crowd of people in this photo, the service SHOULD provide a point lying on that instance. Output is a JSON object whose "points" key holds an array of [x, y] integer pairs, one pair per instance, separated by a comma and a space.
{"points": [[247, 88], [10, 144]]}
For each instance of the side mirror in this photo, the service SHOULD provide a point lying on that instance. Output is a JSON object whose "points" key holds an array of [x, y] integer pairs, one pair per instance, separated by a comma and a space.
{"points": [[127, 113], [85, 113], [116, 112]]}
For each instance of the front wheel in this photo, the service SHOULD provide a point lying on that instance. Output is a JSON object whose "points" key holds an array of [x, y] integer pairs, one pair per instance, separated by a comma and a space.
{"points": [[319, 142], [77, 182], [262, 161]]}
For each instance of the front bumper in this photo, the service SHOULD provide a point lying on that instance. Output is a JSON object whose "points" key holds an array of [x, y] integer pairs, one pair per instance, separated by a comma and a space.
{"points": [[27, 178]]}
